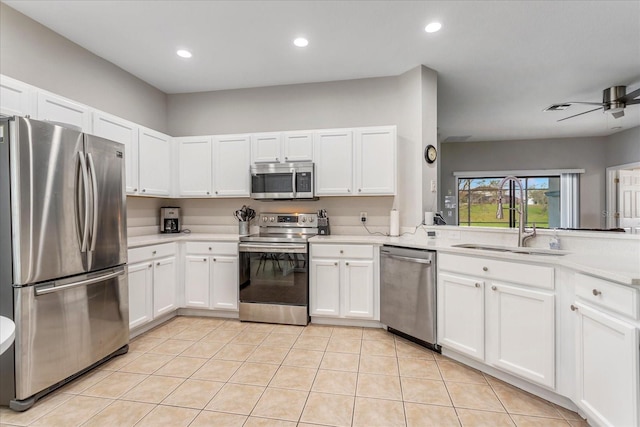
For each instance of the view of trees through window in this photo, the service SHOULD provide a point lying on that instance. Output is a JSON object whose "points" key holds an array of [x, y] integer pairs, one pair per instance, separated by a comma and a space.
{"points": [[478, 202]]}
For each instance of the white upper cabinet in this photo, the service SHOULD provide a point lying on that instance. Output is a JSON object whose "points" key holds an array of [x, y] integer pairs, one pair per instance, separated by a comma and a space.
{"points": [[61, 110], [231, 159], [16, 98], [333, 154], [195, 166], [124, 132], [375, 160], [154, 163], [266, 147], [297, 146]]}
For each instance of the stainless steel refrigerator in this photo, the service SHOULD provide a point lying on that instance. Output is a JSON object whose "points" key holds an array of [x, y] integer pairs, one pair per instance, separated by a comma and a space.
{"points": [[63, 255]]}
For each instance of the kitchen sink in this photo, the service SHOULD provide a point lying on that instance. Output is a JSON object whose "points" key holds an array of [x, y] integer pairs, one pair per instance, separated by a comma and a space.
{"points": [[510, 249]]}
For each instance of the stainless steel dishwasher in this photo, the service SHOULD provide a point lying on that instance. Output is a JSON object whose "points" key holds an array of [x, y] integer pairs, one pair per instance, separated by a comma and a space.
{"points": [[408, 293]]}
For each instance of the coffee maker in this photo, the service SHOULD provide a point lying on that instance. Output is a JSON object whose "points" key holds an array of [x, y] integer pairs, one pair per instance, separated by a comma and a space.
{"points": [[170, 219]]}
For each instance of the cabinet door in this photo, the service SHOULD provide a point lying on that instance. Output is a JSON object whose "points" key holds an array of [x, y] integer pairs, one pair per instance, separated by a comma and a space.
{"points": [[516, 318], [140, 279], [194, 168], [155, 163], [124, 132], [16, 98], [324, 288], [265, 147], [196, 281], [57, 109], [357, 289], [164, 286], [298, 146], [232, 157], [376, 160], [607, 368], [333, 154], [461, 314], [224, 282]]}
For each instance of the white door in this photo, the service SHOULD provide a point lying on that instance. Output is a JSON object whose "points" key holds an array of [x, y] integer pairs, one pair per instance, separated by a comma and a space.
{"points": [[517, 317], [140, 279], [461, 314], [196, 281], [154, 163], [629, 200], [357, 289], [231, 160], [266, 147], [324, 288], [57, 109], [224, 282], [194, 167], [333, 154], [164, 286], [376, 160], [124, 132], [16, 98], [606, 368], [298, 146]]}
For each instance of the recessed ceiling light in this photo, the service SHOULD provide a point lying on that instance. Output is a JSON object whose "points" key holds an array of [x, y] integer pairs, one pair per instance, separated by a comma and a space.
{"points": [[301, 42], [184, 53], [433, 27]]}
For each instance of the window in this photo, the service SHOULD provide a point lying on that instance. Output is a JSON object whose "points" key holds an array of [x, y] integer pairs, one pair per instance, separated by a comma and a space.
{"points": [[551, 199]]}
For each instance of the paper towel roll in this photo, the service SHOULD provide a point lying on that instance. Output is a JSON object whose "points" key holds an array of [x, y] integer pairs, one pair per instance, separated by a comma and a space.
{"points": [[428, 218], [394, 223]]}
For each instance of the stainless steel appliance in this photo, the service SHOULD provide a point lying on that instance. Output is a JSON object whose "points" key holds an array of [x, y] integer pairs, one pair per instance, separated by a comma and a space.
{"points": [[408, 293], [282, 181], [274, 269], [64, 251], [170, 220]]}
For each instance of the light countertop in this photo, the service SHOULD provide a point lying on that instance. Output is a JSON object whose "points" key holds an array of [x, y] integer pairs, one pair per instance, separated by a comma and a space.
{"points": [[156, 239]]}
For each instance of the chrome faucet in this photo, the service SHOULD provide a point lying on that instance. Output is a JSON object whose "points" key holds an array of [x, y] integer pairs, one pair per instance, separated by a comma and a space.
{"points": [[523, 235]]}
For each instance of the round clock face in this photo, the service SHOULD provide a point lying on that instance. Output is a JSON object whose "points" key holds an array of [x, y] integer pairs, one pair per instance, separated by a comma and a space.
{"points": [[430, 154]]}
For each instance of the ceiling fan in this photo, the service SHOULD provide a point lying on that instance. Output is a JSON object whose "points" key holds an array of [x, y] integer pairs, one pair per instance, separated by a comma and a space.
{"points": [[614, 100]]}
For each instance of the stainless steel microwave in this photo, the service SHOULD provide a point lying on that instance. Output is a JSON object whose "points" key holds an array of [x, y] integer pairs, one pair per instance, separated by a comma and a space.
{"points": [[282, 181]]}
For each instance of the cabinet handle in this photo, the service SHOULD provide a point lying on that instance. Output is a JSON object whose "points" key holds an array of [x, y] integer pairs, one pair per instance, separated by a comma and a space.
{"points": [[135, 189], [277, 159], [348, 190], [286, 158], [143, 190], [477, 285], [208, 192], [209, 248], [574, 308], [596, 292], [150, 265], [359, 190], [341, 251], [158, 263], [204, 259], [214, 260], [153, 253], [335, 263], [346, 263], [485, 268], [494, 288], [216, 192]]}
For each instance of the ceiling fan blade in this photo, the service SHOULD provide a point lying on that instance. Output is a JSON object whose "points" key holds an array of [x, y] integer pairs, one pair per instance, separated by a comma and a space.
{"points": [[629, 97], [632, 101], [579, 114], [618, 114], [585, 103]]}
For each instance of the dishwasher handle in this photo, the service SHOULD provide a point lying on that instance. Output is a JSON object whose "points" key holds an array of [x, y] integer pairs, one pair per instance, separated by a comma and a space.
{"points": [[406, 258]]}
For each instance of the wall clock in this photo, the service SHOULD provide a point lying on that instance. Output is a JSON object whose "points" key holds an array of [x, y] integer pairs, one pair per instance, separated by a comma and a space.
{"points": [[430, 154]]}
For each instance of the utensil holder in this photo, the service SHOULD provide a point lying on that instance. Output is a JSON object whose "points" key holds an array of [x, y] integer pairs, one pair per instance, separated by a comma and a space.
{"points": [[243, 228]]}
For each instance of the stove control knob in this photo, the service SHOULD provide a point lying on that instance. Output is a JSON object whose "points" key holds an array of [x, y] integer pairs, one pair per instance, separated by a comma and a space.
{"points": [[265, 219], [304, 219], [272, 219], [311, 219]]}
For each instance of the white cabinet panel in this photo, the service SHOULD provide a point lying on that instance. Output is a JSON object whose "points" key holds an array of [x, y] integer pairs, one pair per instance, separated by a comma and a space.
{"points": [[155, 163], [266, 147], [224, 283], [16, 98], [140, 278], [298, 146], [375, 160], [333, 154], [57, 109], [461, 314], [164, 286], [196, 281], [195, 166], [324, 298], [231, 159], [124, 132], [358, 289]]}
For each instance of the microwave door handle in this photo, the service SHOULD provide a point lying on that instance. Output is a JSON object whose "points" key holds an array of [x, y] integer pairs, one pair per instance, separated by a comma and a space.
{"points": [[293, 181]]}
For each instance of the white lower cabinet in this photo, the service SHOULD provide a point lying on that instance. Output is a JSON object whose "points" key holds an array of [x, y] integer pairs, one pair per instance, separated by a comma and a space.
{"points": [[211, 275], [140, 293], [485, 312], [164, 286], [343, 282]]}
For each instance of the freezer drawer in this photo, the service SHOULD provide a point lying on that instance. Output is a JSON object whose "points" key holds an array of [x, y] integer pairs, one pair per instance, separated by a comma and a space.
{"points": [[65, 326]]}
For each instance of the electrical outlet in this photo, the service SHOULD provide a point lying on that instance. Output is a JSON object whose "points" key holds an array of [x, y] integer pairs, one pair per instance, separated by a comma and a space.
{"points": [[433, 186], [363, 217]]}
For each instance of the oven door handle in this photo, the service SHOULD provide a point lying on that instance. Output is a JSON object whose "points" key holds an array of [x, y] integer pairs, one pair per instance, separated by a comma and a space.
{"points": [[252, 247]]}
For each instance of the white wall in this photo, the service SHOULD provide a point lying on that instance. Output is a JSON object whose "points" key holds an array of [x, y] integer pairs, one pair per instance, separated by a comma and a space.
{"points": [[623, 147], [36, 55]]}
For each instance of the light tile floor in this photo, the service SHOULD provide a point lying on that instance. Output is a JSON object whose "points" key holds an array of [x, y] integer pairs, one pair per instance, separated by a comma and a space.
{"points": [[199, 372]]}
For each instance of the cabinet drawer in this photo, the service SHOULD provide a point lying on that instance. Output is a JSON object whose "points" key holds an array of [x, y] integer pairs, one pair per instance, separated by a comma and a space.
{"points": [[515, 272], [217, 248], [342, 251], [151, 252], [618, 298]]}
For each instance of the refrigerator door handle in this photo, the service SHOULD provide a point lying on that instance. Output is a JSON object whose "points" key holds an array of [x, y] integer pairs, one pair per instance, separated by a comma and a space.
{"points": [[85, 186], [94, 184], [52, 289]]}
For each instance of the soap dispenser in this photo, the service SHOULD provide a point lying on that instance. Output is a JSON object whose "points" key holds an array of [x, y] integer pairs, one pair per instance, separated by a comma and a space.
{"points": [[554, 242]]}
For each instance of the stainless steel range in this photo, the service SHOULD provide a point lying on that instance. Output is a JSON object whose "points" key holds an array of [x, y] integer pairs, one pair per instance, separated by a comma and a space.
{"points": [[274, 269]]}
